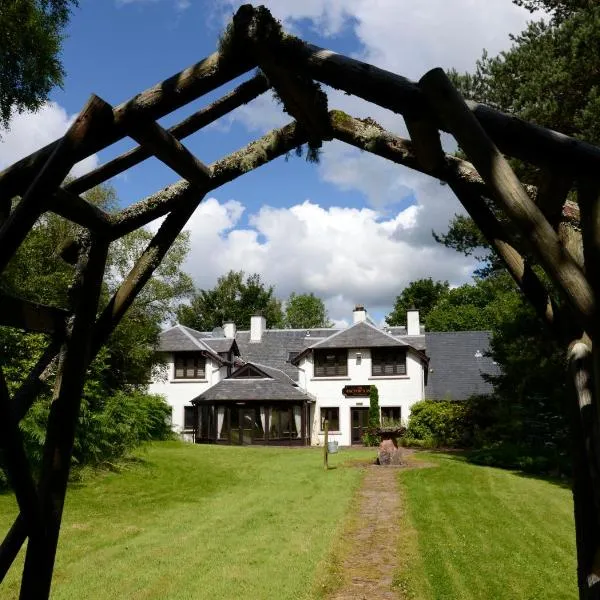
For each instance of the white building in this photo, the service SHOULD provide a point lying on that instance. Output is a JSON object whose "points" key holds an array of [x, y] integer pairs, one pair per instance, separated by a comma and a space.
{"points": [[277, 386]]}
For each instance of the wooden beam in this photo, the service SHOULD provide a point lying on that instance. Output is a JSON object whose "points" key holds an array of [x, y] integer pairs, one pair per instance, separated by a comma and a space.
{"points": [[29, 390], [468, 187], [553, 188], [426, 142], [80, 211], [17, 465], [63, 418], [95, 115], [11, 544], [510, 196], [586, 470], [168, 149], [154, 103], [514, 136], [244, 93], [272, 145], [31, 316]]}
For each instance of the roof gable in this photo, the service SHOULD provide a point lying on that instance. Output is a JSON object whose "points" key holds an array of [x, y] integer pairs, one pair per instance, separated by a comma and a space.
{"points": [[249, 371], [360, 335]]}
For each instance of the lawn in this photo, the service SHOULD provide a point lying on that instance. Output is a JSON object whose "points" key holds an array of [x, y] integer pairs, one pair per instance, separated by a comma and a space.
{"points": [[215, 522], [200, 522], [483, 533]]}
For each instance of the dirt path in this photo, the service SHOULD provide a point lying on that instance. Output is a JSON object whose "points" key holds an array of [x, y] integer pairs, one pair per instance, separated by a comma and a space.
{"points": [[369, 566]]}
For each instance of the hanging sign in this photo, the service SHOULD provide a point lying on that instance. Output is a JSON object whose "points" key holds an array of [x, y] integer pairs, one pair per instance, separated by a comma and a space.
{"points": [[356, 391]]}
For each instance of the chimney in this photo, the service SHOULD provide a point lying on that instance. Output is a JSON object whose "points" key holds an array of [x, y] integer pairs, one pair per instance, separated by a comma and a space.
{"points": [[413, 327], [359, 314], [229, 329], [258, 324]]}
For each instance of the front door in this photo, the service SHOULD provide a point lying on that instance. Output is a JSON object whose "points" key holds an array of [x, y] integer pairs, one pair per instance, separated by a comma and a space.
{"points": [[359, 419]]}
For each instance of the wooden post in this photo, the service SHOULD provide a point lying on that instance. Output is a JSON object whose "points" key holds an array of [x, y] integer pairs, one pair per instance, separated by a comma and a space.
{"points": [[62, 421], [326, 445]]}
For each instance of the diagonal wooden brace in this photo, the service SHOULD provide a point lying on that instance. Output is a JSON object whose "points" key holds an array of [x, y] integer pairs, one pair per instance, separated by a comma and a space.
{"points": [[509, 195], [94, 116]]}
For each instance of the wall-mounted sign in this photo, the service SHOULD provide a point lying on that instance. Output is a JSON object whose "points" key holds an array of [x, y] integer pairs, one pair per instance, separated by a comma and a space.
{"points": [[356, 391]]}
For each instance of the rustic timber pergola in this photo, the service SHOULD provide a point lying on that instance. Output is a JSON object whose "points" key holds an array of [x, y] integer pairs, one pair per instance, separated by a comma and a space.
{"points": [[527, 226]]}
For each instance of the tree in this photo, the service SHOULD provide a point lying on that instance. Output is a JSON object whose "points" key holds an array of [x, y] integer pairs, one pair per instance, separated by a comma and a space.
{"points": [[422, 294], [474, 307], [30, 44], [370, 438], [305, 311], [116, 410], [232, 299]]}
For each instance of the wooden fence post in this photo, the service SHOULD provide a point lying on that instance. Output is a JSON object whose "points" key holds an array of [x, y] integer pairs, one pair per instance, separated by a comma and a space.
{"points": [[325, 445]]}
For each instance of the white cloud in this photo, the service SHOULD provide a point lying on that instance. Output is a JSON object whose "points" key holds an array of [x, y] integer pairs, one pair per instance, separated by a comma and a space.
{"points": [[180, 5], [343, 255], [30, 131]]}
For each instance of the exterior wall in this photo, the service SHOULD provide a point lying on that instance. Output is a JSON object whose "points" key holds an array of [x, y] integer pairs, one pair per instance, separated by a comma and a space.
{"points": [[397, 390], [179, 392]]}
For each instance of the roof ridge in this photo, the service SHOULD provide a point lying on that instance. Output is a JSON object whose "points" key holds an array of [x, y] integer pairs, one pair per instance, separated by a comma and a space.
{"points": [[275, 369], [389, 335]]}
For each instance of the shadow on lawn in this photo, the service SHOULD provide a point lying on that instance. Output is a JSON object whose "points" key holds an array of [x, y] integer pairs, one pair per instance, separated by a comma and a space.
{"points": [[462, 456]]}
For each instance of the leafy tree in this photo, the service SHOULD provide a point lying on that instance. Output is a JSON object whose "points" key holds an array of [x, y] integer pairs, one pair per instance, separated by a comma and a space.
{"points": [[30, 45], [422, 294], [304, 311], [234, 298], [474, 307], [117, 413]]}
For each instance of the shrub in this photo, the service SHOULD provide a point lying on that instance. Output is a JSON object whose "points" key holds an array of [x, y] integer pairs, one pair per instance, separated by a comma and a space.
{"points": [[437, 423], [108, 427]]}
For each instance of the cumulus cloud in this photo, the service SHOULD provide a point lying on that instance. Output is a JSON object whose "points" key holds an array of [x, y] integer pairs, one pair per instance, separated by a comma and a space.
{"points": [[30, 131], [344, 255]]}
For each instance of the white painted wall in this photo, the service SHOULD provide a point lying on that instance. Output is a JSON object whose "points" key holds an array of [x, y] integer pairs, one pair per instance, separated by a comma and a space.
{"points": [[179, 392], [395, 390]]}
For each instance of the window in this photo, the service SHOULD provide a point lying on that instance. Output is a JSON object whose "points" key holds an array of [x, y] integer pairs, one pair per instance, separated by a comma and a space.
{"points": [[388, 361], [292, 356], [333, 416], [390, 415], [331, 363], [189, 366], [188, 417]]}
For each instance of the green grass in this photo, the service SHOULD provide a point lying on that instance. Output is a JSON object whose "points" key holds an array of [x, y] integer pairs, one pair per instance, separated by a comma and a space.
{"points": [[200, 522], [485, 533]]}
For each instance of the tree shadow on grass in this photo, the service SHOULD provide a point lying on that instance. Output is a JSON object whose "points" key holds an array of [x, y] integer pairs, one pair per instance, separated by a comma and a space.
{"points": [[462, 456]]}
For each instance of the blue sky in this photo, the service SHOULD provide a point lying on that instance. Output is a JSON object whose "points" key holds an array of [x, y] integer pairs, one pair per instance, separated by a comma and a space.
{"points": [[353, 229]]}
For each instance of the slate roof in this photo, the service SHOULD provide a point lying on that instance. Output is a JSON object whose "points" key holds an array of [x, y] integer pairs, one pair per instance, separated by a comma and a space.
{"points": [[220, 344], [360, 335], [457, 361], [275, 386], [276, 346], [184, 339]]}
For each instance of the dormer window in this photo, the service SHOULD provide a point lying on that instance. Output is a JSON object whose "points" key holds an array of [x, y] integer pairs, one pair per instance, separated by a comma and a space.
{"points": [[331, 363], [388, 361], [190, 365]]}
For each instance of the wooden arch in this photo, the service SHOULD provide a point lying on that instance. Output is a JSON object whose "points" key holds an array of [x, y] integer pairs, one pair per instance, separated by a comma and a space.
{"points": [[527, 226]]}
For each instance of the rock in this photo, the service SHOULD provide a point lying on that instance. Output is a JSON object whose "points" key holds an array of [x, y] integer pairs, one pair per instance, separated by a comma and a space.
{"points": [[389, 453]]}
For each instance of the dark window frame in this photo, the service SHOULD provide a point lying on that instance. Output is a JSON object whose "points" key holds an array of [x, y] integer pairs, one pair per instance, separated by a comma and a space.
{"points": [[331, 363], [197, 367], [388, 362], [327, 413], [188, 417], [391, 410]]}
